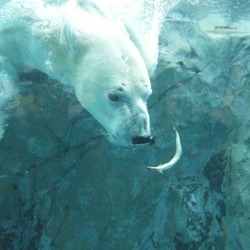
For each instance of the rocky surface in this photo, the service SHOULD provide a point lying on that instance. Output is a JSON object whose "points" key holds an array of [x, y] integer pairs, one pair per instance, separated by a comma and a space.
{"points": [[64, 186]]}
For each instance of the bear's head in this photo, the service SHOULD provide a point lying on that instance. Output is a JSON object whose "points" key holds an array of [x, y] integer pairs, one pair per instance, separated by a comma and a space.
{"points": [[111, 81]]}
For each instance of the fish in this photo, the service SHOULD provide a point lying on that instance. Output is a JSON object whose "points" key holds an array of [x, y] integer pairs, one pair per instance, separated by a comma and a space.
{"points": [[178, 152]]}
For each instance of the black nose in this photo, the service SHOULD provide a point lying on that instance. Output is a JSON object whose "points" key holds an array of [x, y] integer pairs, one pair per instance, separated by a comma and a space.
{"points": [[142, 140]]}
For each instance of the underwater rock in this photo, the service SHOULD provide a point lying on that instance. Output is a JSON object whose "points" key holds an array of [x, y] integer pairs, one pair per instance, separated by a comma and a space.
{"points": [[64, 186]]}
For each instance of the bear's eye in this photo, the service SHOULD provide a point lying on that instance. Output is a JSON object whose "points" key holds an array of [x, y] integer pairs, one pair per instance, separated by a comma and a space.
{"points": [[113, 97]]}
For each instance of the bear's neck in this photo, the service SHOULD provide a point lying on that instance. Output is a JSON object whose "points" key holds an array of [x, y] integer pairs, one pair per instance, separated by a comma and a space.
{"points": [[54, 59]]}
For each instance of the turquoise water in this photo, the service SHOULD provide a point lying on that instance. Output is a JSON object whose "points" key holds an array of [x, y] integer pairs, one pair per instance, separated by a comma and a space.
{"points": [[64, 185]]}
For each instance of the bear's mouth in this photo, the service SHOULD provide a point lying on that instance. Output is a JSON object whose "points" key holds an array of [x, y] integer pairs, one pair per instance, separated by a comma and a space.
{"points": [[130, 142], [119, 141]]}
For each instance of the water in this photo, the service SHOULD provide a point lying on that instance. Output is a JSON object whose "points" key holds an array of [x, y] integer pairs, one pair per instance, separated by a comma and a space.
{"points": [[63, 185], [227, 13], [143, 18], [237, 10]]}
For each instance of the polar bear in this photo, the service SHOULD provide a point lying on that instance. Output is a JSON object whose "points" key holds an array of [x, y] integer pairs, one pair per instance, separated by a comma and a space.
{"points": [[77, 44]]}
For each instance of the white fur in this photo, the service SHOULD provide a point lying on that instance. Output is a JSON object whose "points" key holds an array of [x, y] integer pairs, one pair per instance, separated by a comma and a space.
{"points": [[80, 46]]}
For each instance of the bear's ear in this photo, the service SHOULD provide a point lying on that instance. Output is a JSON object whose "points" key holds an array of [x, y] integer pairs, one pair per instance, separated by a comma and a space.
{"points": [[75, 39], [69, 38], [148, 54]]}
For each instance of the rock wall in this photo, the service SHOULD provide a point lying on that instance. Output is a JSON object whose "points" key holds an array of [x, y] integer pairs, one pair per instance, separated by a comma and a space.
{"points": [[64, 186]]}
